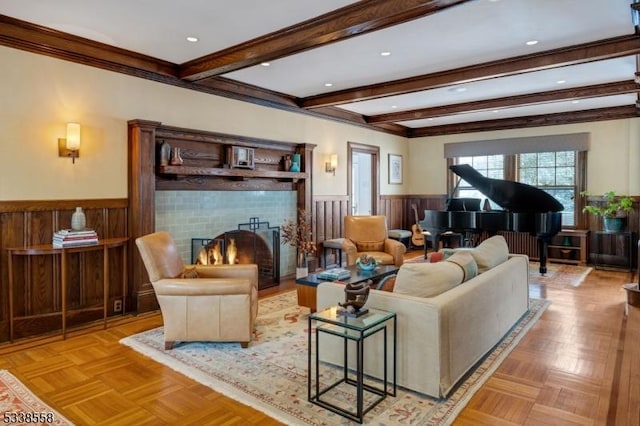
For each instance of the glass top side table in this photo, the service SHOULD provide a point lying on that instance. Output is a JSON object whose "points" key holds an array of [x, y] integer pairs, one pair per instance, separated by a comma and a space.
{"points": [[355, 330]]}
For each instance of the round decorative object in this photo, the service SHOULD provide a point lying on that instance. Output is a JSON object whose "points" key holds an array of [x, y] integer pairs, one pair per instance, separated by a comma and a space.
{"points": [[366, 263], [78, 220]]}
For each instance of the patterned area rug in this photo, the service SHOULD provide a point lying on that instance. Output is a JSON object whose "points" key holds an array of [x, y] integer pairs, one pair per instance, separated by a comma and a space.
{"points": [[19, 405], [271, 375], [559, 274]]}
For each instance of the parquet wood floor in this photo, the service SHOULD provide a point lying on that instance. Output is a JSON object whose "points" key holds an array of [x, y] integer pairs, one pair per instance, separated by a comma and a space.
{"points": [[575, 367]]}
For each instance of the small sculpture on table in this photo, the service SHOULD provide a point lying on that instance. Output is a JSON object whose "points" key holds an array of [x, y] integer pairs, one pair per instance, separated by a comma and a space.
{"points": [[355, 297]]}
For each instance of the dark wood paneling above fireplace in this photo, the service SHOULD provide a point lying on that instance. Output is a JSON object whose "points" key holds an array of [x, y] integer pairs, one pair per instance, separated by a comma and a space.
{"points": [[205, 167]]}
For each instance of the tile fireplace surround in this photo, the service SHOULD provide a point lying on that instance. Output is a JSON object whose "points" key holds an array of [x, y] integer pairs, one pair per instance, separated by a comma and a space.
{"points": [[205, 214]]}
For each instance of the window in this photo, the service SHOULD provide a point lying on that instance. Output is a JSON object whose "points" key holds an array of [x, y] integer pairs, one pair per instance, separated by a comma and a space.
{"points": [[491, 166], [553, 172]]}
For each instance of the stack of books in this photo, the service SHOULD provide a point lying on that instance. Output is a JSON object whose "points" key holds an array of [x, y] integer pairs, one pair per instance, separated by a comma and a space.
{"points": [[334, 274], [71, 238]]}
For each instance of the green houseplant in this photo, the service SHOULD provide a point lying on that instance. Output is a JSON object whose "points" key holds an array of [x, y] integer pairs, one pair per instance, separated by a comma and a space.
{"points": [[613, 209]]}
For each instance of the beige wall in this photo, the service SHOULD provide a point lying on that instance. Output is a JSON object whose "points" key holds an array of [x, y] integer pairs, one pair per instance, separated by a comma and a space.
{"points": [[613, 159], [40, 94]]}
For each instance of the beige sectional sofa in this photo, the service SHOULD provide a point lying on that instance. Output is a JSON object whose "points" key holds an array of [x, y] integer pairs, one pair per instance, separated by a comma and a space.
{"points": [[442, 336]]}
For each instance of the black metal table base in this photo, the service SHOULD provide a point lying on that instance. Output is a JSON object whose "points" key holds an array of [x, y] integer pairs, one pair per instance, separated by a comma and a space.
{"points": [[359, 383]]}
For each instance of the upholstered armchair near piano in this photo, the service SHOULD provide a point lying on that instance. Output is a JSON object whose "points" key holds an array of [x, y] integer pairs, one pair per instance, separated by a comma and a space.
{"points": [[369, 235], [200, 302]]}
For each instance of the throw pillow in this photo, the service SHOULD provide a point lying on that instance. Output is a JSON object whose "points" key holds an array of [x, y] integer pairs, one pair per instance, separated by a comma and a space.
{"points": [[370, 246], [189, 273], [387, 283], [427, 279], [465, 261], [491, 252]]}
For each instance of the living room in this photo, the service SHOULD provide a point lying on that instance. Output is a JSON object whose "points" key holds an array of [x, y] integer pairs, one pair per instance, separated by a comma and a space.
{"points": [[43, 93]]}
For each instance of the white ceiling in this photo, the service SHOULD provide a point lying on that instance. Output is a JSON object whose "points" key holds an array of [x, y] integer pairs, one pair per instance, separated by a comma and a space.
{"points": [[471, 33]]}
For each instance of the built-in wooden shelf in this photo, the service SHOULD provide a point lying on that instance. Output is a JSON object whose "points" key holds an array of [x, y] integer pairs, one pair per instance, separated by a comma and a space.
{"points": [[235, 173], [570, 246]]}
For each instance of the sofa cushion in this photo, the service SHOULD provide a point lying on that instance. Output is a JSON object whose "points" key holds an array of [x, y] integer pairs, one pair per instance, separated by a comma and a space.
{"points": [[442, 254], [370, 246], [427, 279], [465, 261], [491, 252]]}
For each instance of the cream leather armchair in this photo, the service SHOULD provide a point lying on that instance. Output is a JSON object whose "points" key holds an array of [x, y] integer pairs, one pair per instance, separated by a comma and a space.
{"points": [[369, 235], [220, 304]]}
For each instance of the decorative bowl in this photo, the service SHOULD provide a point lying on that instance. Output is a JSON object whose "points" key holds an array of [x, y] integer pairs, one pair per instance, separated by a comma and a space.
{"points": [[367, 263]]}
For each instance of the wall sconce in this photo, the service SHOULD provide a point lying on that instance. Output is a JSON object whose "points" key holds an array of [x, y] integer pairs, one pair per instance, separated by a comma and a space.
{"points": [[70, 146], [331, 165]]}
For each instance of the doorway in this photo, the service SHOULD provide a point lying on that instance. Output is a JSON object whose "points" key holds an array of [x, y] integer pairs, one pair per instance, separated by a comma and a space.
{"points": [[363, 182]]}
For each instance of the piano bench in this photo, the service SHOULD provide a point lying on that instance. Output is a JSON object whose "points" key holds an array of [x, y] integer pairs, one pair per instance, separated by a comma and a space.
{"points": [[401, 235], [448, 238]]}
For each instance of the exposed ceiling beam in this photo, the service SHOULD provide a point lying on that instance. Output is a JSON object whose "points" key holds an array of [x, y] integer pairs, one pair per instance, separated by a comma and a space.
{"points": [[350, 21], [35, 38], [572, 55], [600, 114], [576, 93]]}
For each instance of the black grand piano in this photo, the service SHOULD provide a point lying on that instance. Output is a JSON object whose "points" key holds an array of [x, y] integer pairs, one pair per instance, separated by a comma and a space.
{"points": [[526, 209]]}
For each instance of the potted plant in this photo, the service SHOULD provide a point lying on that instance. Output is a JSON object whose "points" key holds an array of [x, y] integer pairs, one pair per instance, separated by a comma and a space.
{"points": [[613, 209], [298, 234]]}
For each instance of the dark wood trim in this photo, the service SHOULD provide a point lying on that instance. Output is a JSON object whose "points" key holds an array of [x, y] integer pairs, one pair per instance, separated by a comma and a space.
{"points": [[201, 146], [33, 38], [46, 205], [37, 279], [338, 25], [38, 39], [572, 55], [375, 171], [575, 93], [600, 114]]}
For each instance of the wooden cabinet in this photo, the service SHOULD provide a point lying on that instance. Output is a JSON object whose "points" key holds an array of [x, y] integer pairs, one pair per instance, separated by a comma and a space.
{"points": [[570, 246], [613, 250]]}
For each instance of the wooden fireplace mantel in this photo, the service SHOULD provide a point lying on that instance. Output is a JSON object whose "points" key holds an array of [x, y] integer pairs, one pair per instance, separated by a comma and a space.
{"points": [[205, 167]]}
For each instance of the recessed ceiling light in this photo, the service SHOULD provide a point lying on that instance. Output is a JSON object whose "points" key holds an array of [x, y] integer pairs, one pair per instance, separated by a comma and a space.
{"points": [[192, 39], [495, 111], [575, 102], [394, 106], [385, 53], [458, 89], [561, 81], [265, 64], [328, 84], [531, 42]]}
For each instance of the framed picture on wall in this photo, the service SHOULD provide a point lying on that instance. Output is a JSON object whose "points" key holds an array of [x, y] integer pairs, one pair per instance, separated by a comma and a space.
{"points": [[395, 168]]}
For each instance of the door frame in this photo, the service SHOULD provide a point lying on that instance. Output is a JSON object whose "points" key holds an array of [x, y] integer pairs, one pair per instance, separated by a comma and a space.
{"points": [[374, 151]]}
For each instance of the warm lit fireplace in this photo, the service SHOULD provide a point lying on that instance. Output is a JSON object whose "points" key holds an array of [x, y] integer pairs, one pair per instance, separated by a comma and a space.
{"points": [[252, 242]]}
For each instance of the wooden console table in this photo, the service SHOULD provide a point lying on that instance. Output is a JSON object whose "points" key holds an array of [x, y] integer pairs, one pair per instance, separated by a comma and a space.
{"points": [[62, 253]]}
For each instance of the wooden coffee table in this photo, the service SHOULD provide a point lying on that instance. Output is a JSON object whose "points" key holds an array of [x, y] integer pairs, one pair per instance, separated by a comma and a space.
{"points": [[307, 286]]}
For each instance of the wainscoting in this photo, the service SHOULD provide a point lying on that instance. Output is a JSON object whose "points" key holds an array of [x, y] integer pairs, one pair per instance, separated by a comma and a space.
{"points": [[37, 299]]}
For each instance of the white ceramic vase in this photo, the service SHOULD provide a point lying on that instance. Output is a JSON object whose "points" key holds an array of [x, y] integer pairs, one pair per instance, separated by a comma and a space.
{"points": [[78, 220]]}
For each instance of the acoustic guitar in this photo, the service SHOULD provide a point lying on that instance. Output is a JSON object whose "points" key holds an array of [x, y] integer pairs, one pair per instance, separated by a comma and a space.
{"points": [[417, 237]]}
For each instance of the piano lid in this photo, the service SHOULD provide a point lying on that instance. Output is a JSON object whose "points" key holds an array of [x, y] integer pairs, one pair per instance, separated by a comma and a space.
{"points": [[512, 196]]}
